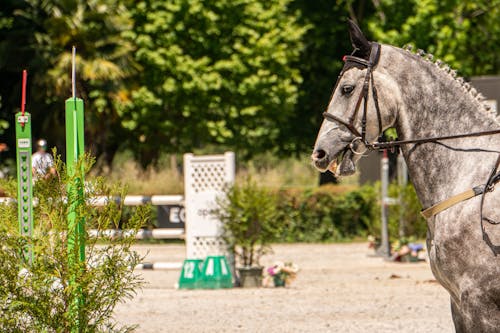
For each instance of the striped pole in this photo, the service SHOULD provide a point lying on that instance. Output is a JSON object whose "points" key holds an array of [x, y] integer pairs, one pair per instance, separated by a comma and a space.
{"points": [[24, 186], [76, 222]]}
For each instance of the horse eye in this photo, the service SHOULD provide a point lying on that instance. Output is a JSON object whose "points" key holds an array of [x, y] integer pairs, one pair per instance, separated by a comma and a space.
{"points": [[347, 89]]}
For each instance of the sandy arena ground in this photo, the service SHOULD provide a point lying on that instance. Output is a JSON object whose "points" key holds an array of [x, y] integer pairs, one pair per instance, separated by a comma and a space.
{"points": [[340, 288]]}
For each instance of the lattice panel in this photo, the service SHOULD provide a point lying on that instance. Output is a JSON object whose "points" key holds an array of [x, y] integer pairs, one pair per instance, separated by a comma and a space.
{"points": [[208, 176], [202, 247], [205, 178]]}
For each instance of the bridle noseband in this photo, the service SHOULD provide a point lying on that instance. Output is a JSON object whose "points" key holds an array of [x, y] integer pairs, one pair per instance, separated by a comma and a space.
{"points": [[352, 61]]}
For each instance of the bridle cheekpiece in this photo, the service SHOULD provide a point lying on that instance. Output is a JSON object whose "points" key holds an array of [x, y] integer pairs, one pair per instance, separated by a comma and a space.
{"points": [[353, 61]]}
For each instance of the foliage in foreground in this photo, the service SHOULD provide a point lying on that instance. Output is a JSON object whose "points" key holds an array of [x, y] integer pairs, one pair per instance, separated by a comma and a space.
{"points": [[42, 296]]}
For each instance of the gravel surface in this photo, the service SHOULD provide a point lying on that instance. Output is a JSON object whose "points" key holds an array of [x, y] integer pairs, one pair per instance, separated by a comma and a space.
{"points": [[340, 288]]}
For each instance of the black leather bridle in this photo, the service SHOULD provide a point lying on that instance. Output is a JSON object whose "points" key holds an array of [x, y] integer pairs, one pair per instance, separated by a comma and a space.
{"points": [[352, 61]]}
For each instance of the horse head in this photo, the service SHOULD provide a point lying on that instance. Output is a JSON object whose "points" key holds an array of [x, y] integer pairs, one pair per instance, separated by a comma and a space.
{"points": [[359, 109]]}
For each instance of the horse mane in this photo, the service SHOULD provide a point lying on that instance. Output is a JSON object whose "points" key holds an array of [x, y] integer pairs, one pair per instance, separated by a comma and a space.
{"points": [[466, 86]]}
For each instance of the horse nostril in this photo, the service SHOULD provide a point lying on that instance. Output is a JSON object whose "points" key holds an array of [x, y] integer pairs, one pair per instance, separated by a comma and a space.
{"points": [[318, 154]]}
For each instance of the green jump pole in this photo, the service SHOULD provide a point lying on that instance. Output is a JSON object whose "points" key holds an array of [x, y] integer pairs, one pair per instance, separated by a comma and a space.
{"points": [[74, 150], [24, 185], [76, 222]]}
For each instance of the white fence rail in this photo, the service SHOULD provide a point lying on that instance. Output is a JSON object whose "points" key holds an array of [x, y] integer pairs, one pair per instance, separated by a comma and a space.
{"points": [[133, 200], [130, 200], [138, 200], [158, 233]]}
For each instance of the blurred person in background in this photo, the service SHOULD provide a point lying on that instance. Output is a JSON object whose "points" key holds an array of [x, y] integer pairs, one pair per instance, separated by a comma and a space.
{"points": [[42, 162]]}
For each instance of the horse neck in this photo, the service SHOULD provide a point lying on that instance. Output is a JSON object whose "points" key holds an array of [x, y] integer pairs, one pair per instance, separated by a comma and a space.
{"points": [[435, 104]]}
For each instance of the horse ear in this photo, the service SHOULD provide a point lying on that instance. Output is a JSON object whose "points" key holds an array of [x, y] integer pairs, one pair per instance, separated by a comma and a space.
{"points": [[361, 45]]}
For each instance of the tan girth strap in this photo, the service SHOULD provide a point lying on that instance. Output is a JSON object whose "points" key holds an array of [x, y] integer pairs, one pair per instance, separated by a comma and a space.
{"points": [[445, 204]]}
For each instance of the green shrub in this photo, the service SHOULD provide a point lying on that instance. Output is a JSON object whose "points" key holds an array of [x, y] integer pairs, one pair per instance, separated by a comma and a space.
{"points": [[407, 212], [250, 220], [337, 213], [330, 213], [52, 295]]}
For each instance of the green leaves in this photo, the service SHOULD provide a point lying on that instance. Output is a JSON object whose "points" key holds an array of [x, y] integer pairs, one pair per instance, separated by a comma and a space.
{"points": [[250, 220], [180, 75], [40, 297], [222, 70]]}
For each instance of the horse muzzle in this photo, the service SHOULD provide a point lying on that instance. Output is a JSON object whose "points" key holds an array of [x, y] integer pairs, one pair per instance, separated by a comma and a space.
{"points": [[341, 163]]}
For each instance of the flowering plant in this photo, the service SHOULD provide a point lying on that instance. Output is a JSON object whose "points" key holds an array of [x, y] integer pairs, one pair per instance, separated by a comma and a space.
{"points": [[280, 274]]}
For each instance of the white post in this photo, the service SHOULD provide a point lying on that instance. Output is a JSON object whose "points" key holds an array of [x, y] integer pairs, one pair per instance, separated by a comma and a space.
{"points": [[384, 250], [402, 182]]}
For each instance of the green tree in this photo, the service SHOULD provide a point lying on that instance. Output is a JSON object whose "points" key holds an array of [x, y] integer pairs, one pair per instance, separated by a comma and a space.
{"points": [[214, 72], [42, 37]]}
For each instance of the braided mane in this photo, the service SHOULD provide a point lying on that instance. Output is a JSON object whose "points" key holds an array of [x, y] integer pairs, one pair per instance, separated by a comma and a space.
{"points": [[466, 86]]}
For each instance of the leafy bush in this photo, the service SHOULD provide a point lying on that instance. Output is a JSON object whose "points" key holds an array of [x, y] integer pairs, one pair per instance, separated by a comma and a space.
{"points": [[336, 213], [331, 213], [57, 293], [250, 219], [407, 212]]}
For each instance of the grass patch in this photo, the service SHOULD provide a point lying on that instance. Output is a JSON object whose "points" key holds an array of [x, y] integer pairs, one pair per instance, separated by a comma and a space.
{"points": [[164, 178]]}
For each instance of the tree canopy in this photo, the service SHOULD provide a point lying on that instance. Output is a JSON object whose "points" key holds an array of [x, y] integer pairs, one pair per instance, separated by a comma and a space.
{"points": [[175, 76], [214, 72]]}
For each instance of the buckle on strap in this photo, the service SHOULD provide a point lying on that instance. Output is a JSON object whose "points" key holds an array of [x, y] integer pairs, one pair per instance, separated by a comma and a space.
{"points": [[478, 190]]}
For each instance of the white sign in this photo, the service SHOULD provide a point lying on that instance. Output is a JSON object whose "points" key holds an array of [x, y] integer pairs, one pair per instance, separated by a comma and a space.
{"points": [[23, 143], [22, 119]]}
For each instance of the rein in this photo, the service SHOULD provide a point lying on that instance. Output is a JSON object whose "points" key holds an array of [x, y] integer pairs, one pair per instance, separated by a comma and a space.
{"points": [[392, 144]]}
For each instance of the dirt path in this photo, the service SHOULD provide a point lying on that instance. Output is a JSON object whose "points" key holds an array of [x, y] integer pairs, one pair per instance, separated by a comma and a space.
{"points": [[340, 288]]}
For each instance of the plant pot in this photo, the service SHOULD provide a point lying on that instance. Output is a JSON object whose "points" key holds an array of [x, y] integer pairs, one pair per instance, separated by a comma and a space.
{"points": [[279, 281], [250, 277]]}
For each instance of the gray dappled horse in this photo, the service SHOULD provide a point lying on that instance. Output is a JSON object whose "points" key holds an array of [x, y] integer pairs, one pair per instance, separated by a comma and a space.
{"points": [[451, 145]]}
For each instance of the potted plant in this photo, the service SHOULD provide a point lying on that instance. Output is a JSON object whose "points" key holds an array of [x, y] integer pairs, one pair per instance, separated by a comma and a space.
{"points": [[250, 222], [280, 274]]}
